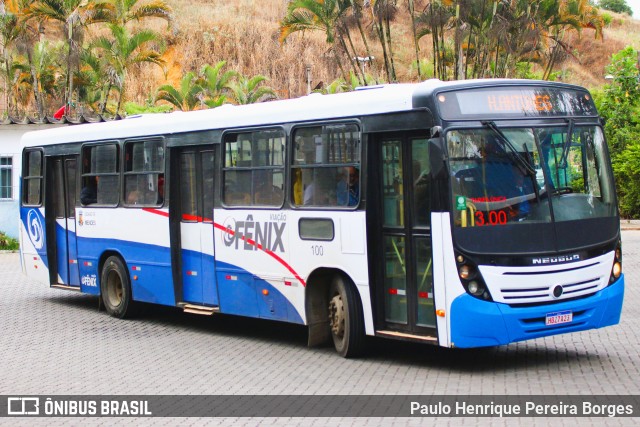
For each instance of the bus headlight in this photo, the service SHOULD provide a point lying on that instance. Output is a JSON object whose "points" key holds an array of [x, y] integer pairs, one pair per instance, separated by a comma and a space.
{"points": [[616, 270], [471, 278], [475, 288]]}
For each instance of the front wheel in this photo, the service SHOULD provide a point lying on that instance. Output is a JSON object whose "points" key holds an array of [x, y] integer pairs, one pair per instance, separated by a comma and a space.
{"points": [[115, 289], [345, 317]]}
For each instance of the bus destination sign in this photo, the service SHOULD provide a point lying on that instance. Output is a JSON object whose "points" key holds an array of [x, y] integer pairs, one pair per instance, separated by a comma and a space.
{"points": [[514, 102]]}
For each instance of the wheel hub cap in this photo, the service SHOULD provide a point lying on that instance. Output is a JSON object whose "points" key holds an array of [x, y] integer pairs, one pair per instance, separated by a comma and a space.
{"points": [[336, 316]]}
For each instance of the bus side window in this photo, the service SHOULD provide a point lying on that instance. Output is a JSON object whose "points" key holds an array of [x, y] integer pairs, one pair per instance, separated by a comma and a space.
{"points": [[326, 166], [32, 178], [144, 172], [100, 175], [253, 173]]}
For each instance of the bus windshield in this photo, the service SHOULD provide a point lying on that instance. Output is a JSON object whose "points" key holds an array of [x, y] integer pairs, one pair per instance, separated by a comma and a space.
{"points": [[529, 175]]}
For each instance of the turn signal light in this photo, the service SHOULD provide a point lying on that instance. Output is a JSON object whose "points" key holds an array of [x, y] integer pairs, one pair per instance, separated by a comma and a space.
{"points": [[464, 272], [440, 313], [617, 270]]}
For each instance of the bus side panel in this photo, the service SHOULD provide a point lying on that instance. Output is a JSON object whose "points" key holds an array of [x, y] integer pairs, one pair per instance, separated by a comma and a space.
{"points": [[262, 262], [140, 237], [446, 283], [62, 250], [33, 244]]}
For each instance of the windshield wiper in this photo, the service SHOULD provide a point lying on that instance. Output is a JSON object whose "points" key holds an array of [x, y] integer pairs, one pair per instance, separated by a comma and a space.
{"points": [[534, 179], [522, 163], [566, 147]]}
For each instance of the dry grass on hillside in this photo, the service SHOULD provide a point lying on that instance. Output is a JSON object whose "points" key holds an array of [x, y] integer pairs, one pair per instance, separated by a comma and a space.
{"points": [[245, 34]]}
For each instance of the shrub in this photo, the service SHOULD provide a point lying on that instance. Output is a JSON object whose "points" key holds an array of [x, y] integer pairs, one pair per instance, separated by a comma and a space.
{"points": [[8, 243]]}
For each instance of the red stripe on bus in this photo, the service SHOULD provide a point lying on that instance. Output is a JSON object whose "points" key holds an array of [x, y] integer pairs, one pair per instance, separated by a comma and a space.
{"points": [[268, 252], [157, 212], [185, 217], [231, 232]]}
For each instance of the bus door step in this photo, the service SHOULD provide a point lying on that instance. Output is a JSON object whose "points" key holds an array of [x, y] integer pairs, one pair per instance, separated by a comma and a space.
{"points": [[66, 287], [199, 309], [405, 336]]}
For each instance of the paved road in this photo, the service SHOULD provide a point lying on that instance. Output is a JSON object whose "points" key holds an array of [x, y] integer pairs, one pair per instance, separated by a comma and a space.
{"points": [[57, 342]]}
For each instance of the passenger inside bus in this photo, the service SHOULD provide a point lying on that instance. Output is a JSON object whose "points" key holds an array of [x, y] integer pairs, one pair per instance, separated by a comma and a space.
{"points": [[348, 188], [89, 193], [160, 200], [133, 197]]}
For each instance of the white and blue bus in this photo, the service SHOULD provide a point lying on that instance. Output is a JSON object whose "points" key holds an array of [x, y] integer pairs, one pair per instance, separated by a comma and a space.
{"points": [[461, 214]]}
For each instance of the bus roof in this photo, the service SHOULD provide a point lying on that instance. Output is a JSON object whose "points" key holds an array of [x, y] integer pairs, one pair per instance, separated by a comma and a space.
{"points": [[364, 101]]}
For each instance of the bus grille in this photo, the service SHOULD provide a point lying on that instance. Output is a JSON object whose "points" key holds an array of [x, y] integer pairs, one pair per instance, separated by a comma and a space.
{"points": [[527, 285]]}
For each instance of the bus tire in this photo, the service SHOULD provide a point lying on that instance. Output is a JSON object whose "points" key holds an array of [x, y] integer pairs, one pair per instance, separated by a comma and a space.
{"points": [[346, 320], [115, 289]]}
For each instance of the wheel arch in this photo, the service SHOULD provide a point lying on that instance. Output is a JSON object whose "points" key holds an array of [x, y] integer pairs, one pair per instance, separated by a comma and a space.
{"points": [[317, 302], [103, 259]]}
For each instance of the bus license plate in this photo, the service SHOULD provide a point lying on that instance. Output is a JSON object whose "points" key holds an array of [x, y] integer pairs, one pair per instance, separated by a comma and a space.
{"points": [[558, 318]]}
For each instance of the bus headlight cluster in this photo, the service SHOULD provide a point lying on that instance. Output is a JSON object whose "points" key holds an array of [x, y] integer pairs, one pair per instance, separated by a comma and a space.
{"points": [[616, 270], [471, 278]]}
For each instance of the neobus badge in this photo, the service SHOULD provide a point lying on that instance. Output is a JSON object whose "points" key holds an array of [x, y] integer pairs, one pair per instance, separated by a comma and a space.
{"points": [[556, 260], [265, 235]]}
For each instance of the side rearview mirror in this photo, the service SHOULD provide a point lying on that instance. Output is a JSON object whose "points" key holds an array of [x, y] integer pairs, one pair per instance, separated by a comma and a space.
{"points": [[437, 157]]}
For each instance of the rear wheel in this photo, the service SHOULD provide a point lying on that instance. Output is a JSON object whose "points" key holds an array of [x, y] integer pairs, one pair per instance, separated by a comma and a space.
{"points": [[345, 317], [115, 288]]}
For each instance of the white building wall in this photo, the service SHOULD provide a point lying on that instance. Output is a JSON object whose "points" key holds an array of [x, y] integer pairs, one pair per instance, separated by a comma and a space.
{"points": [[10, 135]]}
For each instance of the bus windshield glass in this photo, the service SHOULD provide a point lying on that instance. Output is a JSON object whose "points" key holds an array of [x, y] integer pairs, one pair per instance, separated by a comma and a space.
{"points": [[529, 175]]}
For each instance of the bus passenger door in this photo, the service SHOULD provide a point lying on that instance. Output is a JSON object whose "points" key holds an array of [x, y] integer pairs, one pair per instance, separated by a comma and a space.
{"points": [[403, 260], [196, 184], [61, 220]]}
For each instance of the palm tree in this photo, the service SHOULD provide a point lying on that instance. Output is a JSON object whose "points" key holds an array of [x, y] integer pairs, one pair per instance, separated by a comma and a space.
{"points": [[18, 34], [123, 11], [124, 50], [96, 80], [217, 84], [187, 97], [74, 16], [562, 16], [10, 32], [327, 16], [250, 90], [16, 73], [45, 70]]}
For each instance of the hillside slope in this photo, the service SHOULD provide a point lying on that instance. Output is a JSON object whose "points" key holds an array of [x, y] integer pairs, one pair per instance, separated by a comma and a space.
{"points": [[245, 34]]}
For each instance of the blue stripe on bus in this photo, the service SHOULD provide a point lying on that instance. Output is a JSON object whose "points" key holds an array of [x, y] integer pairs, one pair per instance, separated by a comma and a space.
{"points": [[476, 323], [154, 283], [242, 293], [35, 231]]}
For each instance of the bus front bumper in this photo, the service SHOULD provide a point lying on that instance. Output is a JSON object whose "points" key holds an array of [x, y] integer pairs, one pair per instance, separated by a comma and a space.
{"points": [[476, 323]]}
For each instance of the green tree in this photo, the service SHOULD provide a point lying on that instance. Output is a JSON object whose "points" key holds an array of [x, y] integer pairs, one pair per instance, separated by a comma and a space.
{"points": [[21, 37], [619, 6], [217, 84], [247, 90], [326, 16], [74, 16], [620, 106], [122, 12], [186, 97], [123, 50]]}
